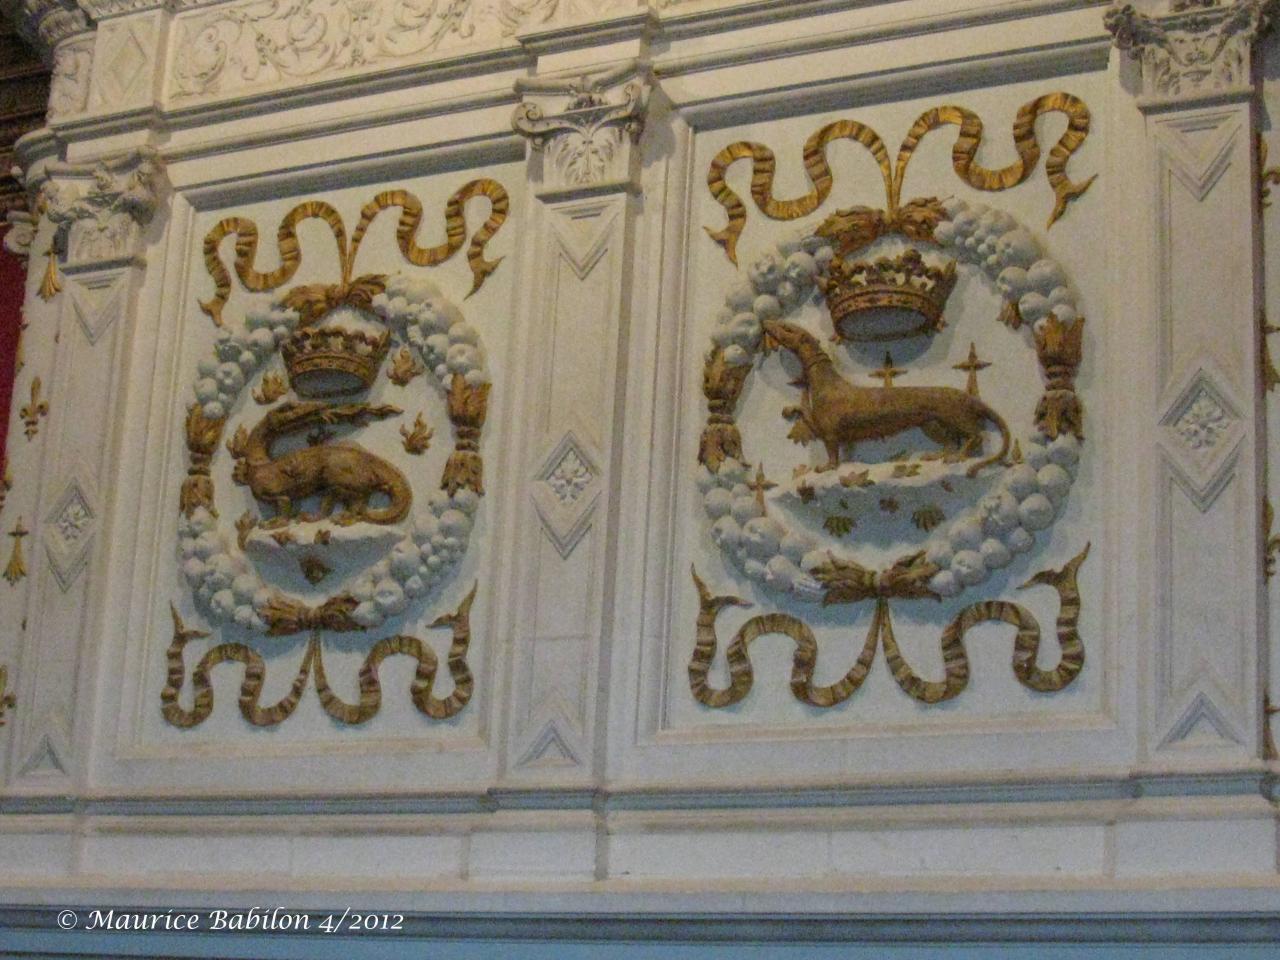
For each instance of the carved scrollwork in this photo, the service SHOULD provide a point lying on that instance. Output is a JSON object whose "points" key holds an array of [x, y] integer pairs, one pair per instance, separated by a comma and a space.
{"points": [[273, 42], [256, 43], [898, 216], [1026, 647], [312, 666]]}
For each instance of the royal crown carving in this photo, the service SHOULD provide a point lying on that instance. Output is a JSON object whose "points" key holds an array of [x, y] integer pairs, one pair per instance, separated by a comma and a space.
{"points": [[859, 293], [1191, 48], [905, 492], [330, 355]]}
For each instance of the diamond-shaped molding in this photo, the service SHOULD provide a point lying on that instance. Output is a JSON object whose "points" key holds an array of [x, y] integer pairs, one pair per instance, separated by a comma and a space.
{"points": [[97, 299], [45, 758], [68, 534], [551, 747], [1200, 434], [124, 65], [584, 232], [565, 492], [1201, 723], [1199, 148]]}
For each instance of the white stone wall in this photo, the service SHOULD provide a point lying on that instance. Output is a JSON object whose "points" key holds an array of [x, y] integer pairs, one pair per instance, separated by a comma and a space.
{"points": [[586, 772]]}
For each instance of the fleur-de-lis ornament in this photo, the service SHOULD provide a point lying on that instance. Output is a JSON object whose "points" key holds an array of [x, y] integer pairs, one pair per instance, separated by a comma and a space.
{"points": [[33, 411], [7, 700], [17, 568]]}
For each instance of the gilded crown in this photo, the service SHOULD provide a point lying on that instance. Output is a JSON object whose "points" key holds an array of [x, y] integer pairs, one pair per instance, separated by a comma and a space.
{"points": [[332, 361], [859, 292]]}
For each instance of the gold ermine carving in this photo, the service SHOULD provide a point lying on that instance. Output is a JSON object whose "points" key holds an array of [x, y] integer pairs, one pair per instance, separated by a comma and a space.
{"points": [[341, 472], [841, 414]]}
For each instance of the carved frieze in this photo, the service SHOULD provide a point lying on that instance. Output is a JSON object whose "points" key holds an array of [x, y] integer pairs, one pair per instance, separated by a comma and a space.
{"points": [[1191, 48], [258, 43]]}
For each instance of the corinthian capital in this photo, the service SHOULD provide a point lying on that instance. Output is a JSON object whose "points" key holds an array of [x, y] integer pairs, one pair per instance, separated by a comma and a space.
{"points": [[99, 210], [585, 126], [45, 23], [1191, 48]]}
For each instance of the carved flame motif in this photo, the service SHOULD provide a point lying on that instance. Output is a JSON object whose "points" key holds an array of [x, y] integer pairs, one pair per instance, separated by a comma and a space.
{"points": [[416, 439]]}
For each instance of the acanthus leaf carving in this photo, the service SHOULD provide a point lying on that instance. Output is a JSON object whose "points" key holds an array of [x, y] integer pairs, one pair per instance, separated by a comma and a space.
{"points": [[1193, 48], [585, 135], [100, 209]]}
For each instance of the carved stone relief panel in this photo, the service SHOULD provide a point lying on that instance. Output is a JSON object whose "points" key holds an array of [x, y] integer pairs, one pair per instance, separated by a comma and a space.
{"points": [[890, 444], [330, 492]]}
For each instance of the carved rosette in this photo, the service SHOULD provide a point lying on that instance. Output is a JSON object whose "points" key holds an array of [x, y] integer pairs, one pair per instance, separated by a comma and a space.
{"points": [[1191, 49], [584, 132]]}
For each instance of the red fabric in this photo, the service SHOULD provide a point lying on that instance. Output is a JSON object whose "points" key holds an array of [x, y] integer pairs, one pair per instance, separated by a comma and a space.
{"points": [[12, 283]]}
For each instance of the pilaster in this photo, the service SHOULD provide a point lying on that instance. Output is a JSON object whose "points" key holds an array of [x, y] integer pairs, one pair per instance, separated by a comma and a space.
{"points": [[583, 161], [93, 220], [1202, 703]]}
